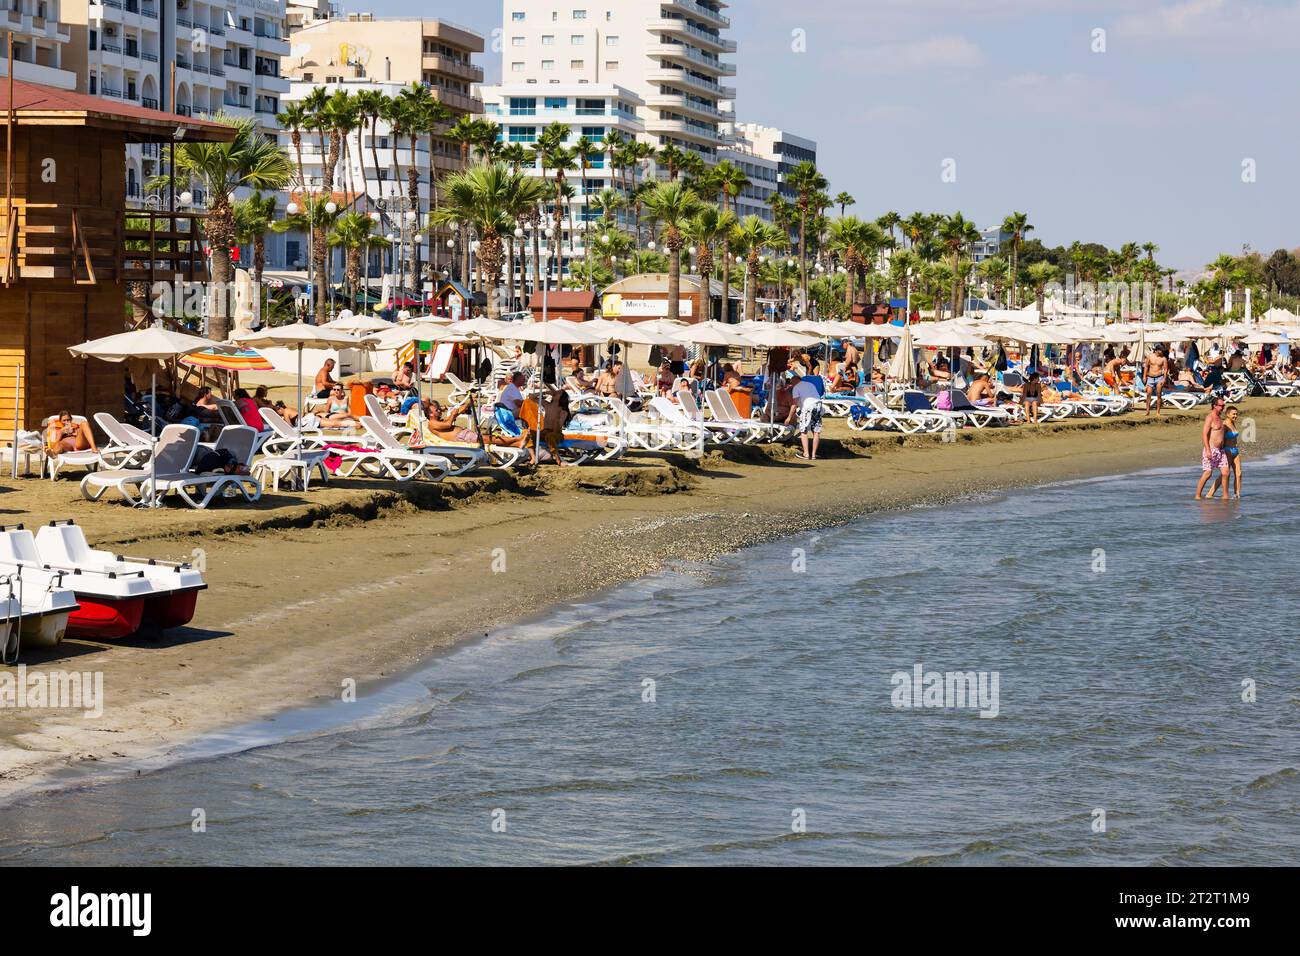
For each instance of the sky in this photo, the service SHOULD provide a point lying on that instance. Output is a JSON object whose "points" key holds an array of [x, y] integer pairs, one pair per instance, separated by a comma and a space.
{"points": [[1112, 121]]}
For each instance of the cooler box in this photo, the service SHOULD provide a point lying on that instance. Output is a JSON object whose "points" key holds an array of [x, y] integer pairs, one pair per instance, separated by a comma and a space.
{"points": [[357, 398]]}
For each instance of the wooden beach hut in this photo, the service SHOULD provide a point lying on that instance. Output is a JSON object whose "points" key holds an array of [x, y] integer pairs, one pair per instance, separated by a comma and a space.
{"points": [[71, 250]]}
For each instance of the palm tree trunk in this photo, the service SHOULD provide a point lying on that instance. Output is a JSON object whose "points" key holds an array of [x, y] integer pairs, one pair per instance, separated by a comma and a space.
{"points": [[674, 283], [803, 262]]}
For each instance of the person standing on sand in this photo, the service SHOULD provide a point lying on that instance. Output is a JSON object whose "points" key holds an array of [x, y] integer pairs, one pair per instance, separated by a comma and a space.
{"points": [[808, 401], [1154, 371], [1212, 456]]}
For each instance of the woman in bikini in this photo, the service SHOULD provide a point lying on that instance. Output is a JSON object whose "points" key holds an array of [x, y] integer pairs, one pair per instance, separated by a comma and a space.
{"points": [[338, 413], [1231, 437], [63, 435]]}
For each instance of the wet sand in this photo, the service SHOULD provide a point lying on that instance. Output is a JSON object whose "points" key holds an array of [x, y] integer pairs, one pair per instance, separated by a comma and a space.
{"points": [[362, 579]]}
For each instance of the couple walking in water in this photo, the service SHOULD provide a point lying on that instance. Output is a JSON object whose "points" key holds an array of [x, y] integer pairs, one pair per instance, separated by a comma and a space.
{"points": [[1220, 454]]}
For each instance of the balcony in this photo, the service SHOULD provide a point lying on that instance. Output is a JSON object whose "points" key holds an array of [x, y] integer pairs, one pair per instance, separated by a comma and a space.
{"points": [[700, 12], [680, 27], [683, 104], [691, 131], [150, 103], [90, 245], [697, 59], [458, 101], [446, 65], [678, 76]]}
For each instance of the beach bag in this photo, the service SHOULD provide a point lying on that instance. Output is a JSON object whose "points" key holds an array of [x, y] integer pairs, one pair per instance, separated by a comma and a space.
{"points": [[218, 459], [944, 401]]}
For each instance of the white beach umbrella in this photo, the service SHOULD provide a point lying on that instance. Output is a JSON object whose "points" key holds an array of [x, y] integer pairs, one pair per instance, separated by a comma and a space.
{"points": [[300, 336], [903, 366], [948, 338], [358, 323], [778, 335], [553, 332], [1261, 337], [713, 333], [1188, 313], [154, 342]]}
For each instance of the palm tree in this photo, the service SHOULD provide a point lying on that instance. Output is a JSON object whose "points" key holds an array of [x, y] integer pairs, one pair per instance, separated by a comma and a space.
{"points": [[584, 148], [1040, 274], [352, 231], [671, 158], [752, 237], [295, 118], [855, 242], [671, 205], [957, 234], [844, 200], [253, 217], [560, 158], [1017, 224], [708, 228], [806, 182], [250, 160], [484, 197], [313, 216]]}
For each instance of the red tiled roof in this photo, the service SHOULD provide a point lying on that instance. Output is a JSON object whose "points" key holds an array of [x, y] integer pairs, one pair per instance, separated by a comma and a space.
{"points": [[33, 101], [563, 300]]}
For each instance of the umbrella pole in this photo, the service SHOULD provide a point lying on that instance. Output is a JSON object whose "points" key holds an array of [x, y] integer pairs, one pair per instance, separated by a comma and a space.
{"points": [[153, 440], [297, 448], [18, 384]]}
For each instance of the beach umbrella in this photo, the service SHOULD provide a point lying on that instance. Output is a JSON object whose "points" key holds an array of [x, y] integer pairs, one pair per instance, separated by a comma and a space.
{"points": [[903, 366], [1188, 313], [713, 333], [154, 342], [1264, 338], [300, 336], [233, 360], [347, 322]]}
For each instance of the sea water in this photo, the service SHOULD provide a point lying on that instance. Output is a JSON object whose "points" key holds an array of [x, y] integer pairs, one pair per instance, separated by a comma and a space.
{"points": [[1133, 698]]}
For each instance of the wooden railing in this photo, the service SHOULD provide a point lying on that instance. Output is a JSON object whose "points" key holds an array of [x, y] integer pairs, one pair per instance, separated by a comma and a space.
{"points": [[89, 245]]}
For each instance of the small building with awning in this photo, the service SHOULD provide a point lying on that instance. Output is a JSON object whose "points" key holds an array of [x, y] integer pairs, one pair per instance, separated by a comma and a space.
{"points": [[645, 296], [574, 306]]}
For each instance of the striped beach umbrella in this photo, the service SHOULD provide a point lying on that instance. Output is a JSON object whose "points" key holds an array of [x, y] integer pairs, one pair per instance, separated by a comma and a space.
{"points": [[241, 360]]}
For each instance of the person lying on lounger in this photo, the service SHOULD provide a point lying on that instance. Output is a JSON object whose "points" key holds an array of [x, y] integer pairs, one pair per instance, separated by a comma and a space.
{"points": [[63, 435], [441, 425]]}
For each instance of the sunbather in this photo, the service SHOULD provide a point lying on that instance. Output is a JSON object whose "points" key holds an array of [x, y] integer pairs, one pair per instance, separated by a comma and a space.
{"points": [[441, 425], [64, 435], [981, 391], [337, 412]]}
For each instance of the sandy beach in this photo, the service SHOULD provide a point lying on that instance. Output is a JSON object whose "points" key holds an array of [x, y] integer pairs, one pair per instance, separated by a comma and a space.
{"points": [[362, 579]]}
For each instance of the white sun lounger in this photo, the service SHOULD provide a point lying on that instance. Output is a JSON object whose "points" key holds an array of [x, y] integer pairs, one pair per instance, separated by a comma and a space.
{"points": [[172, 459], [200, 490], [878, 415], [128, 446], [391, 459], [723, 433], [284, 437]]}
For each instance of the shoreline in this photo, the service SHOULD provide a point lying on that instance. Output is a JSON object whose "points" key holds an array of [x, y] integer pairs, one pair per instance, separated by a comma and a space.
{"points": [[307, 593]]}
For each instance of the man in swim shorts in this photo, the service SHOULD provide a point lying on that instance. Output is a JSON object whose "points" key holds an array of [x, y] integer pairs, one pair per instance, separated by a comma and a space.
{"points": [[1154, 371], [1212, 455]]}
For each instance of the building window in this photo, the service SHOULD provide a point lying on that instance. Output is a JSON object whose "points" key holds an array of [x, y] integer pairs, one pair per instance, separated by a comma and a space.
{"points": [[579, 14], [611, 64], [517, 16], [548, 64], [548, 39], [611, 41], [523, 106], [557, 102], [577, 39], [516, 41], [523, 134], [576, 64], [516, 68]]}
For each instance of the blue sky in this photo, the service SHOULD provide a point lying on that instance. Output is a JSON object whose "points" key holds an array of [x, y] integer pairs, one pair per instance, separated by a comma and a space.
{"points": [[1144, 141]]}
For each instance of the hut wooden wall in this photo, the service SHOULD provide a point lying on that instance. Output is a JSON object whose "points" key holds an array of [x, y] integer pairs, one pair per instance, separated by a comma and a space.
{"points": [[45, 311]]}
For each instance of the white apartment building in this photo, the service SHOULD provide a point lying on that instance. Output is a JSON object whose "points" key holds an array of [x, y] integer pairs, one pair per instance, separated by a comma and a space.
{"points": [[593, 110], [783, 148], [668, 52], [221, 55], [40, 36]]}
